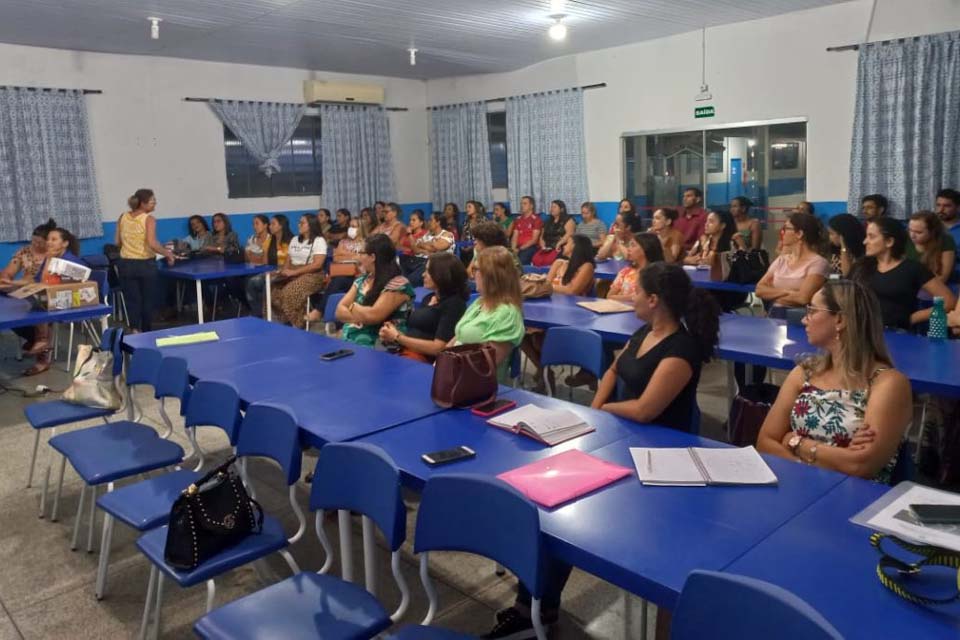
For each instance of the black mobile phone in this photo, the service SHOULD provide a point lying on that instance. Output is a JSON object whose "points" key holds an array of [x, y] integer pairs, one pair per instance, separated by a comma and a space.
{"points": [[336, 355], [937, 513], [448, 455], [493, 407]]}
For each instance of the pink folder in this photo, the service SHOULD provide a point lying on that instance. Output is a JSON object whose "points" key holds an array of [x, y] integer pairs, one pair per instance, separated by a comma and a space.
{"points": [[563, 477]]}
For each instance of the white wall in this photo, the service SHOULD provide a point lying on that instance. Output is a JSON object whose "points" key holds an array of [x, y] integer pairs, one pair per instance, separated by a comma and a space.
{"points": [[760, 70], [145, 135]]}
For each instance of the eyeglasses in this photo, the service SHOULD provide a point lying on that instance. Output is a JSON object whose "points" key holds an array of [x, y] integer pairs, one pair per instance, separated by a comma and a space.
{"points": [[786, 228], [812, 309]]}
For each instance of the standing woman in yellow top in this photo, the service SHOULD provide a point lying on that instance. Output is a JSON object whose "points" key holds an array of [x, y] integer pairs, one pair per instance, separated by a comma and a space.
{"points": [[137, 239]]}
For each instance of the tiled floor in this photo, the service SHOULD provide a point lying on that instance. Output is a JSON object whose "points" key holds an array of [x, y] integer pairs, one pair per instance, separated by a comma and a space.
{"points": [[46, 591]]}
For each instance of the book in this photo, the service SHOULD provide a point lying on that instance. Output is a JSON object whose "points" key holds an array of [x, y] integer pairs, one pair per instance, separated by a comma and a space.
{"points": [[891, 513], [699, 467], [549, 426], [605, 306], [190, 338], [563, 477]]}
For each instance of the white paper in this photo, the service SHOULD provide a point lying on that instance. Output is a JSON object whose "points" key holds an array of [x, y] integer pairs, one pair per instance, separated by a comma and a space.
{"points": [[667, 467], [897, 519], [735, 466]]}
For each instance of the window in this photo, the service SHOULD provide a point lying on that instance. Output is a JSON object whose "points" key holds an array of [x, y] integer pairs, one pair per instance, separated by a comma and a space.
{"points": [[300, 165], [497, 134]]}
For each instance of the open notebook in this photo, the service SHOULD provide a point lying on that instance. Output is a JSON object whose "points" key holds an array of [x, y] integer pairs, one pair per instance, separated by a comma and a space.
{"points": [[549, 426], [563, 477], [698, 467], [605, 306]]}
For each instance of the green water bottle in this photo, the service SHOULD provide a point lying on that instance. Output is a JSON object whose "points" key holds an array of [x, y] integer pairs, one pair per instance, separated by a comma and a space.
{"points": [[938, 320]]}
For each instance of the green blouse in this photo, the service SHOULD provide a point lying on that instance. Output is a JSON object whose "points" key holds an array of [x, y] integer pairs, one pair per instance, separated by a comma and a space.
{"points": [[503, 324], [367, 334]]}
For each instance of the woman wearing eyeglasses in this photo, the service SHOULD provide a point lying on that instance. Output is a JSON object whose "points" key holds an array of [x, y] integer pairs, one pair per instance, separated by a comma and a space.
{"points": [[800, 270], [846, 409]]}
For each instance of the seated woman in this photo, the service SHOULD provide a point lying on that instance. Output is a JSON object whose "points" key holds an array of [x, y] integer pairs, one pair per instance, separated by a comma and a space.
{"points": [[476, 213], [797, 273], [614, 245], [63, 245], [717, 237], [641, 250], [846, 235], [323, 219], [437, 239], [416, 229], [275, 254], [223, 240], [895, 280], [658, 371], [571, 274], [302, 274], [28, 259], [501, 215], [931, 245], [488, 233], [451, 216], [670, 238], [432, 325], [197, 232], [846, 409], [557, 229], [392, 226], [748, 235], [497, 315], [592, 227], [256, 252], [381, 293], [344, 270]]}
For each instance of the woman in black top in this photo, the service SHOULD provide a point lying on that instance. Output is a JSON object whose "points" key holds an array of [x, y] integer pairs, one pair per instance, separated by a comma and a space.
{"points": [[846, 243], [660, 366], [558, 227], [894, 279], [432, 325]]}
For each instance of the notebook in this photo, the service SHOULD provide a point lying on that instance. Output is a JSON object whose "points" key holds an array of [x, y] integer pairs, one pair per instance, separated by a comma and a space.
{"points": [[699, 467], [190, 338], [563, 477], [605, 306], [549, 426]]}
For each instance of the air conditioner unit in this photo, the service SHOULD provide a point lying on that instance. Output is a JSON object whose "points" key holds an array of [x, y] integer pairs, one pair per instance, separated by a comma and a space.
{"points": [[321, 91]]}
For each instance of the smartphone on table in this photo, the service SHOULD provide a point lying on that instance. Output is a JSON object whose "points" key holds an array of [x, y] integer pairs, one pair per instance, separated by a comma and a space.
{"points": [[493, 407], [336, 355], [936, 513], [448, 455]]}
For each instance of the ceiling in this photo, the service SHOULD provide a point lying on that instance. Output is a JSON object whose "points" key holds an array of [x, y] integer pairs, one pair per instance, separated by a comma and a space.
{"points": [[454, 37]]}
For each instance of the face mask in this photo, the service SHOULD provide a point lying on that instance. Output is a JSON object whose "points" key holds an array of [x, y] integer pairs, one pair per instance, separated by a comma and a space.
{"points": [[352, 233]]}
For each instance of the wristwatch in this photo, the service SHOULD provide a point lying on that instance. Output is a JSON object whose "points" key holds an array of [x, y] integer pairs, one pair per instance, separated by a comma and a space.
{"points": [[794, 443], [813, 455]]}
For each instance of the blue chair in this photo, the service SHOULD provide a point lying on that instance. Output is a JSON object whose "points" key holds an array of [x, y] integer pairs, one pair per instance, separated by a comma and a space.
{"points": [[116, 450], [56, 413], [330, 311], [721, 605], [467, 512], [146, 505], [354, 476], [96, 261], [268, 431], [573, 346]]}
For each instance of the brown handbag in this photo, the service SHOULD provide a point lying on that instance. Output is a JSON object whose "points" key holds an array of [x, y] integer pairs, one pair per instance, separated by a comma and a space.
{"points": [[349, 269], [465, 376], [535, 285]]}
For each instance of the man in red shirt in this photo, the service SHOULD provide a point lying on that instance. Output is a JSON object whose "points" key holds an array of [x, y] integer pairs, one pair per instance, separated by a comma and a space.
{"points": [[526, 231], [692, 217]]}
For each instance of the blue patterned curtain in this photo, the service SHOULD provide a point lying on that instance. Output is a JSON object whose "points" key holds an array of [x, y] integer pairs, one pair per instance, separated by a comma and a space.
{"points": [[262, 127], [546, 157], [460, 154], [355, 150], [906, 129], [46, 164]]}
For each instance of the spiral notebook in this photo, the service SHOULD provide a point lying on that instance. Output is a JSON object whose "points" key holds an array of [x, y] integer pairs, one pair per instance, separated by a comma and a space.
{"points": [[699, 467], [563, 477], [549, 426]]}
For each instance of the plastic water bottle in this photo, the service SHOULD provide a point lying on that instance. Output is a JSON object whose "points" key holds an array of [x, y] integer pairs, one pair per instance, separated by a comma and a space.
{"points": [[938, 320]]}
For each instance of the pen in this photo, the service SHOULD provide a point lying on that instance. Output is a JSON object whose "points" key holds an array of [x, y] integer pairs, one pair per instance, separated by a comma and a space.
{"points": [[649, 462]]}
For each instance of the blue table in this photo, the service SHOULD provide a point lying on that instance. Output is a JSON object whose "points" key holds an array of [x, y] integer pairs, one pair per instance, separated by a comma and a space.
{"points": [[828, 561], [18, 313], [497, 450], [216, 269]]}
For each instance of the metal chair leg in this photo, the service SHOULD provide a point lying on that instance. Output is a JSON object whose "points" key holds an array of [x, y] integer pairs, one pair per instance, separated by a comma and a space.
{"points": [[70, 348], [56, 496], [93, 518], [33, 457], [76, 522], [106, 539], [148, 603], [211, 594], [157, 617]]}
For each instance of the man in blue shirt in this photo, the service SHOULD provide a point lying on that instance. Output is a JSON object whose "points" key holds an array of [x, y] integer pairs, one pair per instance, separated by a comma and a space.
{"points": [[948, 208]]}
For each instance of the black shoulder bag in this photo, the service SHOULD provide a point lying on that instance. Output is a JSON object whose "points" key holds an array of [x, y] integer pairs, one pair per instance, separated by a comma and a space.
{"points": [[211, 515]]}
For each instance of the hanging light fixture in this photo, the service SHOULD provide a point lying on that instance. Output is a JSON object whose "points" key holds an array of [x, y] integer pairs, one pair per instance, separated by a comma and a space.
{"points": [[413, 56], [155, 27], [558, 11]]}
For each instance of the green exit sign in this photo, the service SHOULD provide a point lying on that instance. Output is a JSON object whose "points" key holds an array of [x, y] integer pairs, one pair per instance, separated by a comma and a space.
{"points": [[704, 112]]}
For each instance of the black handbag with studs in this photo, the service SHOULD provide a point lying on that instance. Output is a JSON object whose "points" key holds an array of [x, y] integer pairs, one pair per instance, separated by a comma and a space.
{"points": [[212, 514]]}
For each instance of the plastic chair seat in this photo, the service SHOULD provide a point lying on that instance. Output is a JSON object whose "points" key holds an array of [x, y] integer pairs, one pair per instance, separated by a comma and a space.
{"points": [[146, 505], [116, 450], [53, 413], [307, 605], [419, 632], [251, 548]]}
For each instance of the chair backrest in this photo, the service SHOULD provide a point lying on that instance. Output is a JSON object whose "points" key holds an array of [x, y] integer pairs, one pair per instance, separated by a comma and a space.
{"points": [[96, 260], [112, 341], [361, 477], [269, 430], [482, 515], [473, 298], [214, 404], [904, 468], [330, 308], [572, 345], [722, 605], [103, 285], [173, 381], [144, 367]]}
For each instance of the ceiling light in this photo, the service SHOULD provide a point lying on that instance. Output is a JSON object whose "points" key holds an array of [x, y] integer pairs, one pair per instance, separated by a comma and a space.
{"points": [[413, 56], [558, 7], [155, 27], [558, 30]]}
